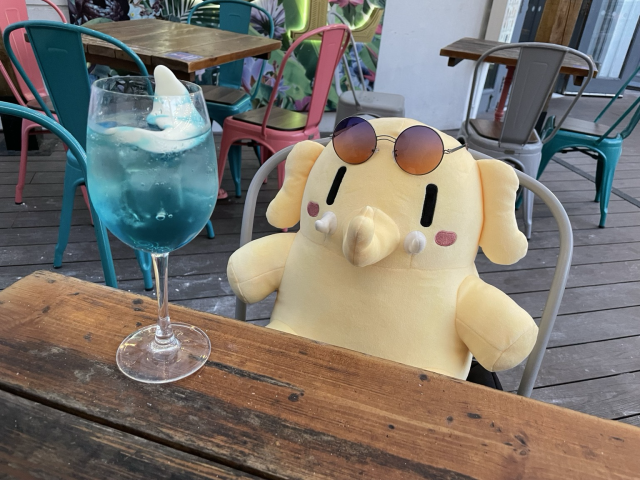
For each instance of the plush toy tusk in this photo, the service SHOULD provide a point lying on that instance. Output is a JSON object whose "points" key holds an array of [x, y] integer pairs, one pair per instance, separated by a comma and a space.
{"points": [[415, 242], [327, 224]]}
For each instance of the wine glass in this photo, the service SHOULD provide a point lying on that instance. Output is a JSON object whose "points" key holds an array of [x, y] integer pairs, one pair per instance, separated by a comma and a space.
{"points": [[152, 177]]}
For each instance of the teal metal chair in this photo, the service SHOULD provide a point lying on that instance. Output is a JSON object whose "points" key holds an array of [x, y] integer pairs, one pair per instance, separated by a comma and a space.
{"points": [[81, 160], [227, 98], [597, 138], [60, 55]]}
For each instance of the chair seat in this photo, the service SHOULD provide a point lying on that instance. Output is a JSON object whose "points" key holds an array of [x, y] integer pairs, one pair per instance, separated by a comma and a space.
{"points": [[36, 106], [280, 118], [223, 95], [492, 130], [584, 126]]}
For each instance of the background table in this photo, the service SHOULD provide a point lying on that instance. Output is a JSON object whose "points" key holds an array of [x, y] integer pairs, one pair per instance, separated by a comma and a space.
{"points": [[182, 48], [473, 48], [266, 405]]}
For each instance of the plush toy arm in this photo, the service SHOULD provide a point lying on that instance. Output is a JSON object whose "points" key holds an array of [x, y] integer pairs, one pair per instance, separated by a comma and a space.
{"points": [[496, 330], [255, 270]]}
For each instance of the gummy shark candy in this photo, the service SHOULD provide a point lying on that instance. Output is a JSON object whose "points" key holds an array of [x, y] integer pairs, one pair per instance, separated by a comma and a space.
{"points": [[179, 124]]}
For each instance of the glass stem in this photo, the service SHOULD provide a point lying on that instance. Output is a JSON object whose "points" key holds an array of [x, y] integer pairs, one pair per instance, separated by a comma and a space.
{"points": [[164, 332]]}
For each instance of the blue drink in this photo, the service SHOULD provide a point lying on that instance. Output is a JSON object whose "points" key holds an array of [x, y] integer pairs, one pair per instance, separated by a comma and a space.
{"points": [[156, 202], [152, 179]]}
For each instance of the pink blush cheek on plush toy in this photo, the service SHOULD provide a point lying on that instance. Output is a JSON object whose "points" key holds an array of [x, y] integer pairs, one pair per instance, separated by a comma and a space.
{"points": [[313, 209], [446, 239]]}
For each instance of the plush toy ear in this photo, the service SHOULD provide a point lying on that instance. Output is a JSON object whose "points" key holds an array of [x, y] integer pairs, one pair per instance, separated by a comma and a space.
{"points": [[284, 210], [501, 241]]}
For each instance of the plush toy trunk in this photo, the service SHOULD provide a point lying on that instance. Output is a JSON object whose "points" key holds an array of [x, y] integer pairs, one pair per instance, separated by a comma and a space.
{"points": [[353, 103]]}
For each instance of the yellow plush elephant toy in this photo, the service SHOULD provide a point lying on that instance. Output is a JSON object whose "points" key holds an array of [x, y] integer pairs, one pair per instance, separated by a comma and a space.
{"points": [[383, 262]]}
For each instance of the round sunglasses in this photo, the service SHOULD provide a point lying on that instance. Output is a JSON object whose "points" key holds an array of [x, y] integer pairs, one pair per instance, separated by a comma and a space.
{"points": [[418, 150]]}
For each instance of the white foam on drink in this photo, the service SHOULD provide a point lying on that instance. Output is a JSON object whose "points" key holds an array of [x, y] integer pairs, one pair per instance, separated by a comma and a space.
{"points": [[180, 124]]}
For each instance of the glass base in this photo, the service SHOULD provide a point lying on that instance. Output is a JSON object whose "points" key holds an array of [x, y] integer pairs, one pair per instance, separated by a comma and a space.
{"points": [[139, 357]]}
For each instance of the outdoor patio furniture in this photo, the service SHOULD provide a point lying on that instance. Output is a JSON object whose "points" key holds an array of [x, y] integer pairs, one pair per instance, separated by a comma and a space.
{"points": [[57, 48], [557, 285], [266, 405], [12, 11], [356, 102], [274, 128], [228, 98], [474, 48], [183, 48], [606, 141], [515, 140], [79, 157]]}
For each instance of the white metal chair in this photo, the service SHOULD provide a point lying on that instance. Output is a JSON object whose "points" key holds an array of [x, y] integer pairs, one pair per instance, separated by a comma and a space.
{"points": [[515, 140], [559, 277]]}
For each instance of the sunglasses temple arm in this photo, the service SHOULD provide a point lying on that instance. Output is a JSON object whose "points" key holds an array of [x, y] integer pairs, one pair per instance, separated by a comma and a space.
{"points": [[451, 150]]}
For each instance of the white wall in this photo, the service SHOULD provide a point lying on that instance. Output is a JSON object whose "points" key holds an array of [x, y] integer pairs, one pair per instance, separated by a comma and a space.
{"points": [[38, 10], [410, 64]]}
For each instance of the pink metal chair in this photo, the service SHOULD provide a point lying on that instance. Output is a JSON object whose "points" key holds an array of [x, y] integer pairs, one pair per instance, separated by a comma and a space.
{"points": [[12, 11], [275, 128]]}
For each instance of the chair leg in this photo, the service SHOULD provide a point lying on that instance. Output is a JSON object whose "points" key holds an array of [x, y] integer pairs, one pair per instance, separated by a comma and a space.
{"points": [[85, 195], [225, 146], [144, 260], [599, 169], [73, 177], [264, 156], [610, 161], [527, 211], [548, 151], [105, 251], [210, 232], [27, 126], [235, 165]]}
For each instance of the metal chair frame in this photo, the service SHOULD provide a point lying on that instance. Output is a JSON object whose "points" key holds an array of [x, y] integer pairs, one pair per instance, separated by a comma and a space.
{"points": [[533, 81], [558, 283], [73, 122], [79, 154]]}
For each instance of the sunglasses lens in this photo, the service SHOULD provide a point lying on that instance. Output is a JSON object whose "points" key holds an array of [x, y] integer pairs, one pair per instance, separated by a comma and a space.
{"points": [[354, 140], [419, 150]]}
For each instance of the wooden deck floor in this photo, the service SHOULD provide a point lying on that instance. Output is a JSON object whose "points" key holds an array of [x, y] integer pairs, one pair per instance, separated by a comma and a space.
{"points": [[593, 361]]}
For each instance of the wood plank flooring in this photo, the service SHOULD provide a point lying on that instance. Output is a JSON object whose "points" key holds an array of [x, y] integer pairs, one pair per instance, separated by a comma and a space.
{"points": [[593, 360]]}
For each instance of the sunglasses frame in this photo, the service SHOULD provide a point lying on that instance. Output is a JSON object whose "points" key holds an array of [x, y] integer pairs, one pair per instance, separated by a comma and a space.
{"points": [[390, 138]]}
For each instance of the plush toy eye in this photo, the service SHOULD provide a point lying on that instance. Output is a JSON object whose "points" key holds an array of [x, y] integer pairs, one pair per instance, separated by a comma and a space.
{"points": [[335, 186], [429, 207]]}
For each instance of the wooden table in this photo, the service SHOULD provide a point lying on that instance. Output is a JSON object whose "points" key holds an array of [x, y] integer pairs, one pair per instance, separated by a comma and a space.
{"points": [[182, 48], [266, 405], [473, 48]]}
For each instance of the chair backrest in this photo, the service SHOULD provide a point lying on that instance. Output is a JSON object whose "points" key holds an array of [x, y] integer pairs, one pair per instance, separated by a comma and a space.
{"points": [[533, 81], [60, 55], [633, 121], [12, 11], [234, 16], [335, 40], [558, 283], [332, 15]]}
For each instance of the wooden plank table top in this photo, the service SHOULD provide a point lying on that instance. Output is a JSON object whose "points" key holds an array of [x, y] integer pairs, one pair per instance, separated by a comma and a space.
{"points": [[271, 405], [182, 48], [473, 48]]}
